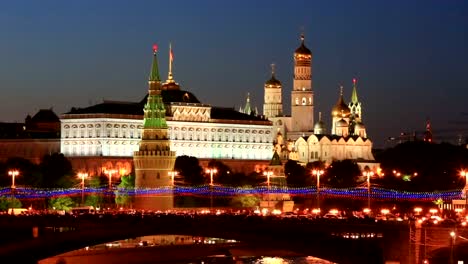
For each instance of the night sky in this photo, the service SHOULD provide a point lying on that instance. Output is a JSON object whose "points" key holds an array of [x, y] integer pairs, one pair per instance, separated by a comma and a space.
{"points": [[411, 57]]}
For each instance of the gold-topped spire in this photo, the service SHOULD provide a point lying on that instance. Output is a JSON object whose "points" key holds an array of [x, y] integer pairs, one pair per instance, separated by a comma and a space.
{"points": [[303, 50], [273, 82], [171, 58]]}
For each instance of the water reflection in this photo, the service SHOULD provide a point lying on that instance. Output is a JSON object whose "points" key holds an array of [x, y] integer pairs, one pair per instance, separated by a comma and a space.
{"points": [[176, 249], [300, 260], [160, 240]]}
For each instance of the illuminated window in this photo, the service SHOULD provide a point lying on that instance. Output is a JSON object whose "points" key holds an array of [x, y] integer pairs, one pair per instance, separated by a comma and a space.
{"points": [[297, 101], [304, 101]]}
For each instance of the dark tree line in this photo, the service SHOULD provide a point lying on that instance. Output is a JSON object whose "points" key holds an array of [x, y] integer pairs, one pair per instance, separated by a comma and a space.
{"points": [[340, 174], [422, 166], [412, 166], [191, 173], [54, 171]]}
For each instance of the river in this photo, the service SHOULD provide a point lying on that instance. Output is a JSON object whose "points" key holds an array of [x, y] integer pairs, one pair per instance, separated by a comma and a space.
{"points": [[173, 249]]}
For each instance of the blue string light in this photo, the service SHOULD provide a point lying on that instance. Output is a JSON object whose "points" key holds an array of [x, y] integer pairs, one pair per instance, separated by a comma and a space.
{"points": [[205, 190]]}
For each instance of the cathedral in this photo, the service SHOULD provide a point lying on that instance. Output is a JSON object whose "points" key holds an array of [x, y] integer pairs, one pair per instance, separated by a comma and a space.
{"points": [[298, 138]]}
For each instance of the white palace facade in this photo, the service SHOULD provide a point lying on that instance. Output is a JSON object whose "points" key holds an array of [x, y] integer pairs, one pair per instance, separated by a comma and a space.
{"points": [[118, 134]]}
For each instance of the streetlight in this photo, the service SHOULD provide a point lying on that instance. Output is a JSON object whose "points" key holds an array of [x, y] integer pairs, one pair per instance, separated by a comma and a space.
{"points": [[464, 173], [211, 171], [318, 173], [109, 174], [268, 174], [173, 174], [82, 176], [13, 174], [452, 243], [368, 174]]}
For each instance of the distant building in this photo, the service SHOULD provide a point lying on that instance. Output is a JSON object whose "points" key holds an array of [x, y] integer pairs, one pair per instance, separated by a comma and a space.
{"points": [[428, 133], [36, 137]]}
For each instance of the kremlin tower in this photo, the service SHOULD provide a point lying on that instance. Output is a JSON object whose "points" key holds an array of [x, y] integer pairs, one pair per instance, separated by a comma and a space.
{"points": [[273, 106], [154, 159], [302, 103]]}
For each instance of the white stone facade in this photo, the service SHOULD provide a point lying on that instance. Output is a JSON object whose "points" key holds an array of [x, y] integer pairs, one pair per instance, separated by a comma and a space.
{"points": [[120, 137], [328, 149]]}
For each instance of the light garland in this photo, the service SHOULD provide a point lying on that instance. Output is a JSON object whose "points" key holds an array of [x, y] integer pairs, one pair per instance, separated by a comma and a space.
{"points": [[206, 190]]}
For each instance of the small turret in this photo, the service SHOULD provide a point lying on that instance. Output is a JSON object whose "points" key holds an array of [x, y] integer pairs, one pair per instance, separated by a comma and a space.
{"points": [[247, 108], [319, 127]]}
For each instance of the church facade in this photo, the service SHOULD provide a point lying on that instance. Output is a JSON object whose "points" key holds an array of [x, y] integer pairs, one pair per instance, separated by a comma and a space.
{"points": [[298, 138]]}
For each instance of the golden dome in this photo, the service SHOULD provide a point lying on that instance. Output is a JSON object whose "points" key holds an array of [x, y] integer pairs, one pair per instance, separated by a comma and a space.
{"points": [[359, 125], [273, 81], [341, 123], [341, 109], [303, 49]]}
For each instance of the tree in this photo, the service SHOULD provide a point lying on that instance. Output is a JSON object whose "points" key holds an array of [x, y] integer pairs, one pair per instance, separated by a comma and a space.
{"points": [[61, 203], [121, 196], [223, 174], [9, 202], [190, 169], [342, 174], [295, 174], [425, 166], [30, 174], [93, 199], [57, 172], [245, 201]]}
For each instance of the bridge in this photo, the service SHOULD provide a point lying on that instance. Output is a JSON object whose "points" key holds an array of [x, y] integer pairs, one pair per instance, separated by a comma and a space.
{"points": [[341, 241]]}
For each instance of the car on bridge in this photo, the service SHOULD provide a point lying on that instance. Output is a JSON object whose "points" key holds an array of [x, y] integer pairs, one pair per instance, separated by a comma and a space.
{"points": [[83, 210]]}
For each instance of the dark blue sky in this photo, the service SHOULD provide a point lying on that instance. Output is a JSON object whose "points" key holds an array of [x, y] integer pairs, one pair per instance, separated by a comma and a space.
{"points": [[411, 57]]}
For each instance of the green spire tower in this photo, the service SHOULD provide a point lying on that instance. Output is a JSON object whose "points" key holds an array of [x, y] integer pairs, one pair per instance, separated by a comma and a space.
{"points": [[154, 159], [355, 105]]}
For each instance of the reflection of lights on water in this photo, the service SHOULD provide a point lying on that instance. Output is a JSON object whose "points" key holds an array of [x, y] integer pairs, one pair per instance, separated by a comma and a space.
{"points": [[270, 260], [313, 260], [277, 260]]}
